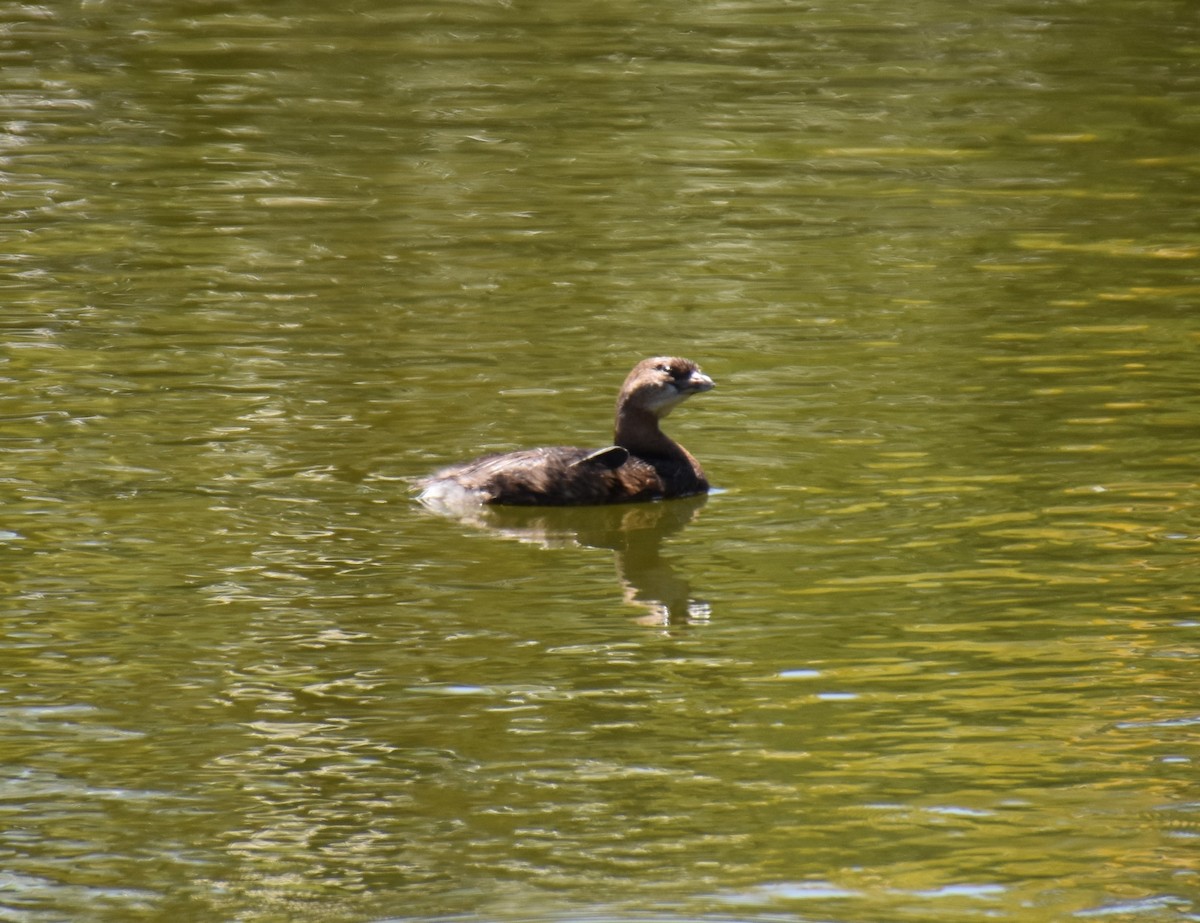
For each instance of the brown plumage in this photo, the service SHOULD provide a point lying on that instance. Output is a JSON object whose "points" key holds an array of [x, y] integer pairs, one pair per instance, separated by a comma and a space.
{"points": [[643, 463]]}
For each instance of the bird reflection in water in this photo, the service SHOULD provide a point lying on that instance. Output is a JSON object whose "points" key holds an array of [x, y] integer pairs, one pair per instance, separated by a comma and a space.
{"points": [[635, 532]]}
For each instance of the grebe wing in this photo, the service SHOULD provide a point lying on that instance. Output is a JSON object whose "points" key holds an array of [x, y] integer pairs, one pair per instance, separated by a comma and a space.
{"points": [[610, 457]]}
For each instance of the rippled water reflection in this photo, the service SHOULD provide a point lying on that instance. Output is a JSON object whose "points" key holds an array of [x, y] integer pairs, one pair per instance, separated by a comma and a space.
{"points": [[928, 654]]}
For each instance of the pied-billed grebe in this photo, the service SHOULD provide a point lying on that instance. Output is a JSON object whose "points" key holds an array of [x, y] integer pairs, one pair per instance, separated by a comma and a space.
{"points": [[643, 464]]}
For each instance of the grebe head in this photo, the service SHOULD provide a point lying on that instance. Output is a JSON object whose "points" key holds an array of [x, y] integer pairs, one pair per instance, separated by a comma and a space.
{"points": [[662, 383]]}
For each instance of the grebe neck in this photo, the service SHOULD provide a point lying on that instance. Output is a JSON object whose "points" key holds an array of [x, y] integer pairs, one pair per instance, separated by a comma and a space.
{"points": [[638, 431]]}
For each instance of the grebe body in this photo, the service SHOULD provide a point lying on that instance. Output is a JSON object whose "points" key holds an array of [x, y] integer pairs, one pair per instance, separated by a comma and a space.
{"points": [[642, 464]]}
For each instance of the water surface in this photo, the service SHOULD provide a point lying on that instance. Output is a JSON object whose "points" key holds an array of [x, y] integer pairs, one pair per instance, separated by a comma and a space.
{"points": [[927, 655]]}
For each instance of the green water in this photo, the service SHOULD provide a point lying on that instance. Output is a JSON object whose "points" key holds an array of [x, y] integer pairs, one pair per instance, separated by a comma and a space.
{"points": [[928, 655]]}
